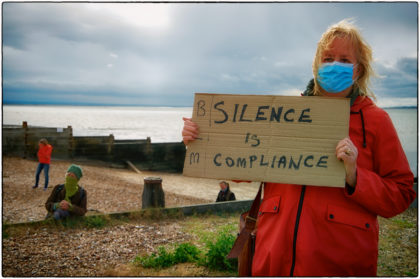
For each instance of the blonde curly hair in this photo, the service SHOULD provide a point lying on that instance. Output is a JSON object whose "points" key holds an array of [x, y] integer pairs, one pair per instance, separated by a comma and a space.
{"points": [[347, 29]]}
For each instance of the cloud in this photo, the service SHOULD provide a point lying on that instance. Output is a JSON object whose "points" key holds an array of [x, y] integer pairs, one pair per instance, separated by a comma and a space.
{"points": [[398, 80], [162, 53]]}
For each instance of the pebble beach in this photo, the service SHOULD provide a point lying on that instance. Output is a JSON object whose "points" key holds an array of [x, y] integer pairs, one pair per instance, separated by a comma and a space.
{"points": [[109, 189]]}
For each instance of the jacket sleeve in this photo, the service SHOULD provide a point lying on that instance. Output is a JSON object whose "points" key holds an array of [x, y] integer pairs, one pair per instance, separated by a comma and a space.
{"points": [[218, 197], [49, 151], [53, 198], [80, 208], [387, 190]]}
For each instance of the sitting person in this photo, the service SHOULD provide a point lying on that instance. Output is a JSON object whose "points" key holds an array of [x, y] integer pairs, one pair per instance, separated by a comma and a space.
{"points": [[68, 199], [225, 194]]}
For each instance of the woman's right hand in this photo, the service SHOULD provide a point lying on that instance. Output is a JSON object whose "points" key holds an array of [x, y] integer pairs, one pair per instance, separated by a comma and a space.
{"points": [[190, 130], [64, 205]]}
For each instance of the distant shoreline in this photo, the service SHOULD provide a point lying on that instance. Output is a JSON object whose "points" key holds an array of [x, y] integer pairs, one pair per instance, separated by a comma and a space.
{"points": [[400, 107], [98, 105], [150, 106]]}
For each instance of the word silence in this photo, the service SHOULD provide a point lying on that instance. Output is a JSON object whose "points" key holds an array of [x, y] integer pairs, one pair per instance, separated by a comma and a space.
{"points": [[282, 139]]}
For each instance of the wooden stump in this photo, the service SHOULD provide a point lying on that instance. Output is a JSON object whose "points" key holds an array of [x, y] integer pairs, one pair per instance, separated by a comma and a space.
{"points": [[153, 195]]}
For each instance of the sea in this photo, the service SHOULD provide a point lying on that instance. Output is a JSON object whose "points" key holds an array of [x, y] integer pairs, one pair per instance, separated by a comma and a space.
{"points": [[161, 124]]}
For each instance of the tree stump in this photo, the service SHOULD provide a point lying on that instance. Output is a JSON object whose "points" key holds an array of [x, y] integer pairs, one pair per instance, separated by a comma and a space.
{"points": [[153, 195]]}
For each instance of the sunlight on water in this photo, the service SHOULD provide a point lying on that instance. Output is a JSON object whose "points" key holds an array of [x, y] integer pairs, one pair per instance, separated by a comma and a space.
{"points": [[405, 122], [161, 124]]}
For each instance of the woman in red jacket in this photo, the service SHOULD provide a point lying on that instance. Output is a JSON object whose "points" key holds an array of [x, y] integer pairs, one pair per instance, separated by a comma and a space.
{"points": [[44, 158], [323, 231]]}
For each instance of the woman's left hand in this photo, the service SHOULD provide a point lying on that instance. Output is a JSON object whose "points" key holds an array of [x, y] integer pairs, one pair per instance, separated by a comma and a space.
{"points": [[347, 152]]}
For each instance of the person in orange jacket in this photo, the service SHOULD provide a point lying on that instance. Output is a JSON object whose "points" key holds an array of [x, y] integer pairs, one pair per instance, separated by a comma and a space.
{"points": [[305, 230], [44, 158]]}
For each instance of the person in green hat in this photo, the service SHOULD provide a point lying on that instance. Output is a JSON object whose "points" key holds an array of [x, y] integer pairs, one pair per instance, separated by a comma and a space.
{"points": [[68, 199]]}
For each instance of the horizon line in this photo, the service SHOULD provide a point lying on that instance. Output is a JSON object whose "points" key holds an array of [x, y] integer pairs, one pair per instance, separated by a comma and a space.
{"points": [[141, 105]]}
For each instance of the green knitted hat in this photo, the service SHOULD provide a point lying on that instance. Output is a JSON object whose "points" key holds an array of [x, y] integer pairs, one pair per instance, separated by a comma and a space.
{"points": [[76, 170]]}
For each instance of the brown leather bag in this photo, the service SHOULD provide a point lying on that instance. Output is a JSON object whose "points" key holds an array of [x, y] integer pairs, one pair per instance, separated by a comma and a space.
{"points": [[244, 246]]}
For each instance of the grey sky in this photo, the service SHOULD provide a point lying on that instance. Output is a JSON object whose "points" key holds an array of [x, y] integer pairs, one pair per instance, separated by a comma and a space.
{"points": [[162, 53]]}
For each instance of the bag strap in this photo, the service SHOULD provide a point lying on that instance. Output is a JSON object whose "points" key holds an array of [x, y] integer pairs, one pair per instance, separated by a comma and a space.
{"points": [[82, 194], [250, 222]]}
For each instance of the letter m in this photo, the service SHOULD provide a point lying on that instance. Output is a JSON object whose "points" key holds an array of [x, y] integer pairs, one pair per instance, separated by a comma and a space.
{"points": [[194, 158], [241, 162]]}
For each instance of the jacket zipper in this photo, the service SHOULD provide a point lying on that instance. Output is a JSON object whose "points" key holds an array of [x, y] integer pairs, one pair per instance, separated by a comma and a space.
{"points": [[299, 212]]}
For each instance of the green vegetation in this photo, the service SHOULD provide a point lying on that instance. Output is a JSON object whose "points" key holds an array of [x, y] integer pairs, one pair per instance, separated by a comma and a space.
{"points": [[160, 260], [403, 224], [95, 221], [214, 254], [218, 250], [5, 234], [184, 252], [398, 245], [210, 237]]}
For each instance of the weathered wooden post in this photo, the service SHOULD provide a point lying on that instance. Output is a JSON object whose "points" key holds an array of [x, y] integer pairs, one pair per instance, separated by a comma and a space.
{"points": [[110, 148], [149, 150], [70, 143], [25, 139], [153, 195]]}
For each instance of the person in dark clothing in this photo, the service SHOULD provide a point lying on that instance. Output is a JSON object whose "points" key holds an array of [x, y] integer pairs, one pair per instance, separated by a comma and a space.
{"points": [[68, 199], [225, 194]]}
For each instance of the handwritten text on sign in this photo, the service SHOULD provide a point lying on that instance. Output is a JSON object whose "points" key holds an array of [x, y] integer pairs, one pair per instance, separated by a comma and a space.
{"points": [[268, 138]]}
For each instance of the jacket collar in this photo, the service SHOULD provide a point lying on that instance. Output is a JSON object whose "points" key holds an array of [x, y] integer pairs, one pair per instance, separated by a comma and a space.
{"points": [[309, 91]]}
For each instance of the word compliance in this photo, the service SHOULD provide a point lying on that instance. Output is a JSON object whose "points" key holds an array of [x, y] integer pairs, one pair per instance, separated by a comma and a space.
{"points": [[281, 139]]}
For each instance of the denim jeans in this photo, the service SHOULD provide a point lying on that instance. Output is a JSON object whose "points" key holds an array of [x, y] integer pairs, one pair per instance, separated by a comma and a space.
{"points": [[60, 214], [46, 168]]}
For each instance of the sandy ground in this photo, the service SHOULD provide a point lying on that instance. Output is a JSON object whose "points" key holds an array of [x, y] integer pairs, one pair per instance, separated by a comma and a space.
{"points": [[96, 252], [109, 189]]}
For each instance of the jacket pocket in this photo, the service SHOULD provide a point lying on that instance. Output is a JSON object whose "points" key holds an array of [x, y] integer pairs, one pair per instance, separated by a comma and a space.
{"points": [[270, 205], [341, 215]]}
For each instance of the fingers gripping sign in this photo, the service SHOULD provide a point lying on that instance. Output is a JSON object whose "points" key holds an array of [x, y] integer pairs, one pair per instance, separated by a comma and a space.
{"points": [[347, 152], [190, 130]]}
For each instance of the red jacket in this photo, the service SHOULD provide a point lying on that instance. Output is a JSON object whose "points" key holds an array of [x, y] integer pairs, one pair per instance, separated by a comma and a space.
{"points": [[324, 231], [44, 153]]}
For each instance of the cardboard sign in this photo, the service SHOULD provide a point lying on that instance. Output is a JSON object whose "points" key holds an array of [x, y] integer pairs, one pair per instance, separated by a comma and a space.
{"points": [[268, 138]]}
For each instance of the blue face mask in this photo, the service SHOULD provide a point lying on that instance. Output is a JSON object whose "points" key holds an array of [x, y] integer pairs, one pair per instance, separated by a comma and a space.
{"points": [[334, 77]]}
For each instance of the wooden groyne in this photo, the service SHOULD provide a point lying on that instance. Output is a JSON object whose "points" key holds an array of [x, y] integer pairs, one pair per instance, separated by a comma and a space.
{"points": [[142, 154], [23, 141]]}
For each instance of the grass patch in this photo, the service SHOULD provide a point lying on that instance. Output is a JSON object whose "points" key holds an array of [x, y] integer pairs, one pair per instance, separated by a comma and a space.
{"points": [[95, 221], [184, 252], [213, 244], [398, 245], [403, 224], [5, 234], [217, 251]]}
